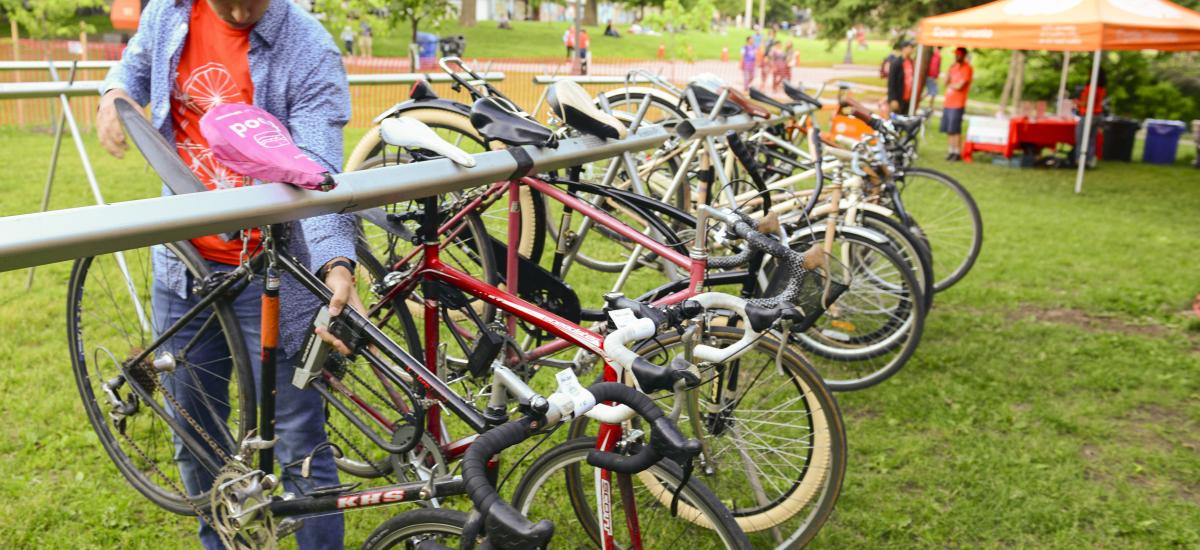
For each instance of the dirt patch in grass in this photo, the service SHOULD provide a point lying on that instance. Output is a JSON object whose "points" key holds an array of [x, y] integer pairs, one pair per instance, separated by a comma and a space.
{"points": [[1085, 320]]}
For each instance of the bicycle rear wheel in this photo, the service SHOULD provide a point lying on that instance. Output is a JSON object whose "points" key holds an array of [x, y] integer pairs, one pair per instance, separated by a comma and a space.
{"points": [[703, 521], [110, 320]]}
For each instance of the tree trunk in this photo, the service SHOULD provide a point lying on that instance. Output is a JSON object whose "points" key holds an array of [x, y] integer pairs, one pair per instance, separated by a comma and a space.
{"points": [[415, 23], [466, 15], [589, 12]]}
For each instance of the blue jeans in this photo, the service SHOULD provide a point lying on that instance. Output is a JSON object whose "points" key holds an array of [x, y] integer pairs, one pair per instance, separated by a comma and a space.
{"points": [[1091, 144], [200, 384]]}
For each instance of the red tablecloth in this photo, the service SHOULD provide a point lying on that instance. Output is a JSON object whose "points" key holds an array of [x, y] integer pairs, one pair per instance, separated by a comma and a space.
{"points": [[1038, 134]]}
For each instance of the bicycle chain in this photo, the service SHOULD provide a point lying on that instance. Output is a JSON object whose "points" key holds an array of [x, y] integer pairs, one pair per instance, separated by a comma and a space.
{"points": [[359, 452], [154, 466], [191, 421]]}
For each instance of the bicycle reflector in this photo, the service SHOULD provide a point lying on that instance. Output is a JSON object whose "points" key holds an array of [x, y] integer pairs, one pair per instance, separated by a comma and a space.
{"points": [[252, 142]]}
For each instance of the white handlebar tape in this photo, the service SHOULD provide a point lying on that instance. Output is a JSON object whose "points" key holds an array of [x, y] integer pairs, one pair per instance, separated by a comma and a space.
{"points": [[721, 300], [615, 344]]}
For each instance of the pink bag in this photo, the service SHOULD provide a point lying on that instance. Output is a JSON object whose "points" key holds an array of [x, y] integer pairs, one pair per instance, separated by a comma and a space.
{"points": [[252, 142]]}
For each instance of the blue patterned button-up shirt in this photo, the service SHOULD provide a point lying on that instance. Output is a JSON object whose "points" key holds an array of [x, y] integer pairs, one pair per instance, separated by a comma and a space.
{"points": [[298, 77]]}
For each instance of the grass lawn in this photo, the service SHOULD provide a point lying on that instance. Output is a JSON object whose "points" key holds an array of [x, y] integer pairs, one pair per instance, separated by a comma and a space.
{"points": [[1054, 400], [538, 39]]}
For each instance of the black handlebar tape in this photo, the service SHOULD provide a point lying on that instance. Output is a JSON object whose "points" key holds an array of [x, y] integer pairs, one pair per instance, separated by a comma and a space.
{"points": [[644, 407], [506, 527]]}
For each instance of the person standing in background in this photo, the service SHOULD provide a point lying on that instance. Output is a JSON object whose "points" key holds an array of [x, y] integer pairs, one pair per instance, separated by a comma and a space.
{"points": [[348, 38], [749, 61], [935, 72], [958, 85], [764, 60], [584, 43], [900, 78], [569, 40], [366, 44]]}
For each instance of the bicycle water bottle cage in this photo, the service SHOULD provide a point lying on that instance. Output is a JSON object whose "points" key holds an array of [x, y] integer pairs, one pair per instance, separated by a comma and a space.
{"points": [[252, 142]]}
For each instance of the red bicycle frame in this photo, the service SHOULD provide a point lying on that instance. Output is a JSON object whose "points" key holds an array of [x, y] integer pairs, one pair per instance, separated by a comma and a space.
{"points": [[432, 270]]}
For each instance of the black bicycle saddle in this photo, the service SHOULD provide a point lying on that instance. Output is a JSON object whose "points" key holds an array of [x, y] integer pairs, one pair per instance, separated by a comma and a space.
{"points": [[798, 94], [707, 99], [422, 91], [496, 123], [573, 105], [906, 124], [760, 97]]}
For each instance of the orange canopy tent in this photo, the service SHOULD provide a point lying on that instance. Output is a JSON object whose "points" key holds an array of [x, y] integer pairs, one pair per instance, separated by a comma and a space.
{"points": [[1068, 25]]}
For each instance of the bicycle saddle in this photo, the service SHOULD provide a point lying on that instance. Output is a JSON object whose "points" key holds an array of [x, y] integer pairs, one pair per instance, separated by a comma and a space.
{"points": [[906, 124], [252, 142], [746, 104], [571, 103], [414, 134], [760, 97], [422, 91], [797, 94], [495, 123], [707, 99]]}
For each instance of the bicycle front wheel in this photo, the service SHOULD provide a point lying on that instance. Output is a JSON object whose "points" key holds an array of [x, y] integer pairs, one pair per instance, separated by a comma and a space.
{"points": [[414, 527], [634, 508]]}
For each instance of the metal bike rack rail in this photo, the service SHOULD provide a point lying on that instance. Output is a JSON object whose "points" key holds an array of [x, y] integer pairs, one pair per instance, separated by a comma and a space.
{"points": [[33, 239], [34, 90]]}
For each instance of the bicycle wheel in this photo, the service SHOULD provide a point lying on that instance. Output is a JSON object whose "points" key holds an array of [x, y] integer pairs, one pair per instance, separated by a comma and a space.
{"points": [[703, 522], [775, 449], [914, 251], [943, 213], [456, 128], [110, 319], [409, 529], [869, 333]]}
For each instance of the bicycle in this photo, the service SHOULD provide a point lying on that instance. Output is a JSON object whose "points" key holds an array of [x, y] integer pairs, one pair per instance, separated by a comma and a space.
{"points": [[241, 506]]}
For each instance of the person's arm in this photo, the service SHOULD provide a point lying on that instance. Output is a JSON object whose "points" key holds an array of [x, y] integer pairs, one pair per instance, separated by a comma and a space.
{"points": [[319, 110], [129, 79]]}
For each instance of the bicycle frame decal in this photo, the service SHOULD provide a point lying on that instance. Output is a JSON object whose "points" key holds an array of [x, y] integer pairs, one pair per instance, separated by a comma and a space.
{"points": [[370, 498]]}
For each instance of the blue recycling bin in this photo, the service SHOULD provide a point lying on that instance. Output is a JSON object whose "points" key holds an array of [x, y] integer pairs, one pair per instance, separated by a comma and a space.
{"points": [[1162, 140], [427, 44]]}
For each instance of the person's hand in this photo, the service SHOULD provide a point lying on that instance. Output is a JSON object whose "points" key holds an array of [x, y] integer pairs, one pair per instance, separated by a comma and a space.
{"points": [[108, 123], [341, 281], [894, 106]]}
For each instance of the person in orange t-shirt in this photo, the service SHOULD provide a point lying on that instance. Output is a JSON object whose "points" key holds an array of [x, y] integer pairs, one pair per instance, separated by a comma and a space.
{"points": [[212, 71], [958, 85]]}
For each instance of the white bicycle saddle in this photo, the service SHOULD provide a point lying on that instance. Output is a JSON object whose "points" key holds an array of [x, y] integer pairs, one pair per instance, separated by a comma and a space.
{"points": [[414, 134]]}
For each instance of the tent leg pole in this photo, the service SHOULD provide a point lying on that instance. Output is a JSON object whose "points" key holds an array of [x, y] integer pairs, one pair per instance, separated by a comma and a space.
{"points": [[1085, 142], [1019, 82], [1062, 84], [1006, 92], [917, 76]]}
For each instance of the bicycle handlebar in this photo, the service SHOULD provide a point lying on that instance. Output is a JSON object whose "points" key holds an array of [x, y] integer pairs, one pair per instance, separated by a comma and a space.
{"points": [[506, 527]]}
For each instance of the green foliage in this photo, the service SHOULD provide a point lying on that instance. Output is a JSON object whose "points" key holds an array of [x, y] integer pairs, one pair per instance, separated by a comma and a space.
{"points": [[45, 19], [837, 16], [695, 15], [385, 15], [1140, 84]]}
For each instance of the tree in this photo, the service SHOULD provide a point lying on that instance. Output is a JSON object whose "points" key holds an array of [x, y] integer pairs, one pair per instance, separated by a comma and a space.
{"points": [[389, 14], [45, 19], [466, 14], [838, 16]]}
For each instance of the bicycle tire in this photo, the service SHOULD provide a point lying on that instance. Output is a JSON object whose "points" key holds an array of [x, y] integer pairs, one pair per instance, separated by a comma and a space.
{"points": [[801, 508], [572, 454], [369, 152], [413, 527], [946, 259], [834, 350], [83, 341]]}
